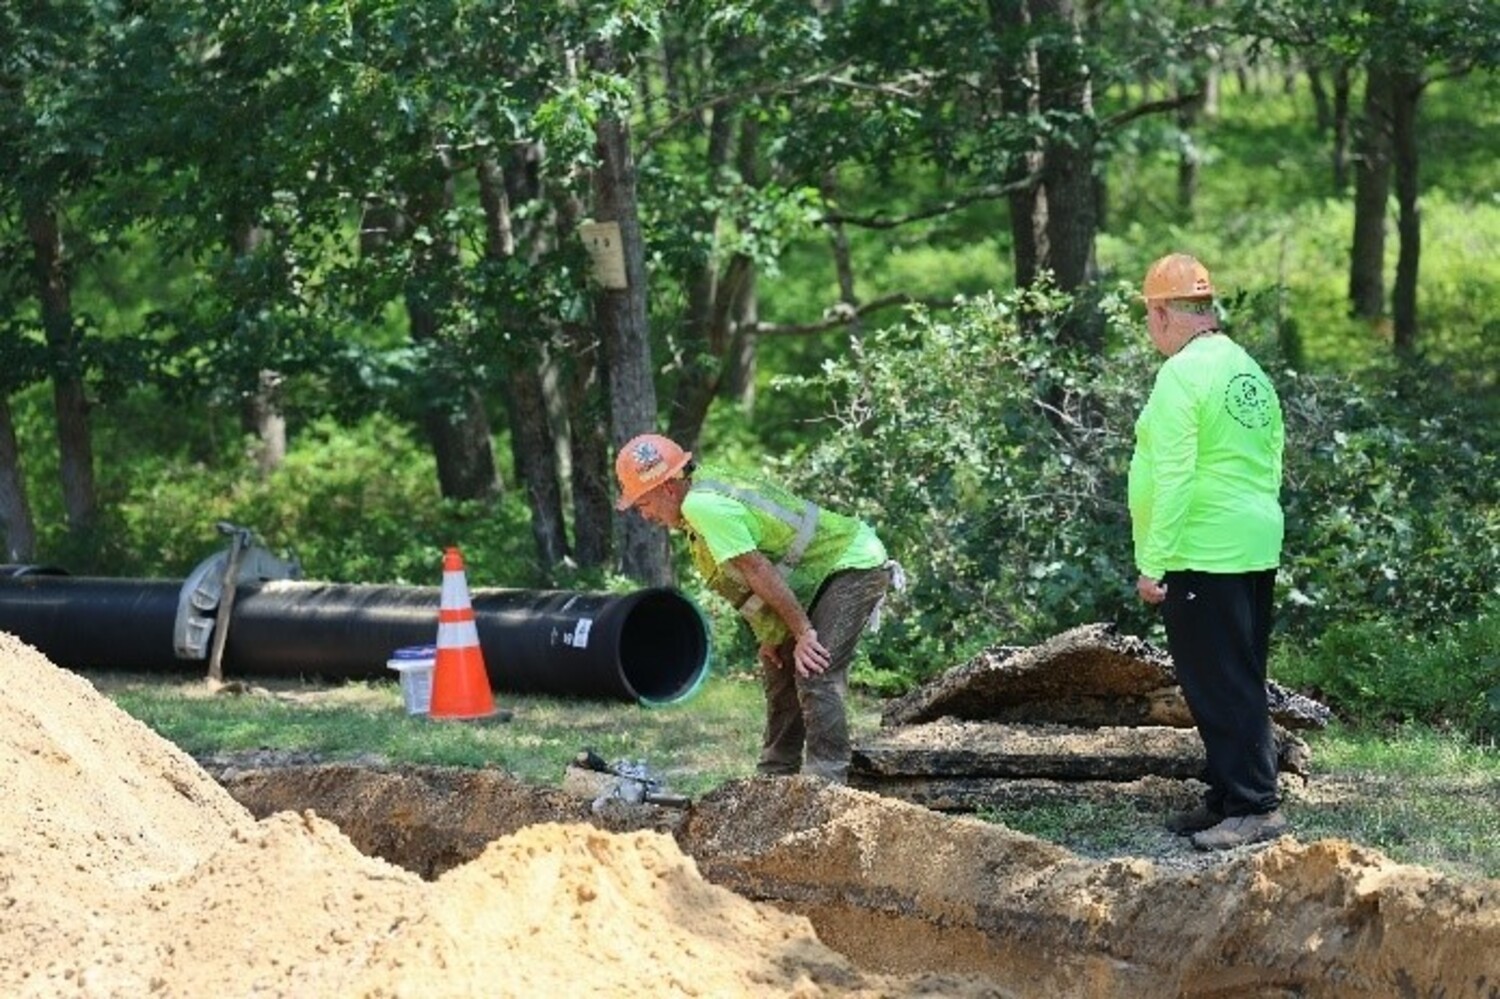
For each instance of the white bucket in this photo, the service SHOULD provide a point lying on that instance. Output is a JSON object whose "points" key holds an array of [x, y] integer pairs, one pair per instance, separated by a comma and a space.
{"points": [[415, 664]]}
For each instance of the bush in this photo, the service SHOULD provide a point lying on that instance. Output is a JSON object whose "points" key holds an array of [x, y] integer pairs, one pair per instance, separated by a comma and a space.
{"points": [[1391, 503], [1377, 671], [992, 463]]}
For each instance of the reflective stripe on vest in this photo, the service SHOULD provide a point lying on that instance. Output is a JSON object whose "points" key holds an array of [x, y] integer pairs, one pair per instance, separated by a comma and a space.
{"points": [[805, 524]]}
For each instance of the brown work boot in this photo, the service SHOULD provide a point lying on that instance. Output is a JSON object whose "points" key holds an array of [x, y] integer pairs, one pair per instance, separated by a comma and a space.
{"points": [[1195, 819], [1238, 830]]}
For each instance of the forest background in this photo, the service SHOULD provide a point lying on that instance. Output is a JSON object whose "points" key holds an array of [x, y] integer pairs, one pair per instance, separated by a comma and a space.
{"points": [[323, 270]]}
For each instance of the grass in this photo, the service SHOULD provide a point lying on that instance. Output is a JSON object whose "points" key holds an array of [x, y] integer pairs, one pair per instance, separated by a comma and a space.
{"points": [[1419, 796]]}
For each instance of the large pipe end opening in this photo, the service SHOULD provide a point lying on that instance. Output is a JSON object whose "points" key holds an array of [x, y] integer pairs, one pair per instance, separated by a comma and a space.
{"points": [[664, 647]]}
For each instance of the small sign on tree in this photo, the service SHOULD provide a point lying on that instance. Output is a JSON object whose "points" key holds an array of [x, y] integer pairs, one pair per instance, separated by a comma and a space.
{"points": [[602, 240]]}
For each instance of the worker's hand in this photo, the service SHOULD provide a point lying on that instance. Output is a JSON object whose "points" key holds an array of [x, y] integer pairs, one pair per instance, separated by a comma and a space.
{"points": [[1151, 591], [770, 656], [809, 655]]}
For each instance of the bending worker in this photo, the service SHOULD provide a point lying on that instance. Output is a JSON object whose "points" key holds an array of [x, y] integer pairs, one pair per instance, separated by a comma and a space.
{"points": [[1205, 484], [805, 579]]}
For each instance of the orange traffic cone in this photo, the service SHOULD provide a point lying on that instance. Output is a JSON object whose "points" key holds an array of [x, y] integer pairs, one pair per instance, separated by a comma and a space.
{"points": [[460, 684]]}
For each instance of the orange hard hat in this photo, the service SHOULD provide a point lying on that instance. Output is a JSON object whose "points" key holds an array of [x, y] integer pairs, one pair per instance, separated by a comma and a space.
{"points": [[1176, 275], [645, 462]]}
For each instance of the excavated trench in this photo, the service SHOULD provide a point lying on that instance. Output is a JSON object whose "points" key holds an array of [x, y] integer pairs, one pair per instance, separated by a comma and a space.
{"points": [[894, 880], [902, 890], [127, 868]]}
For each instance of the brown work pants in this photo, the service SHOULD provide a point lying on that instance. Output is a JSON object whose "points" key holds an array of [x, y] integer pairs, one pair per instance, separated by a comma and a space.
{"points": [[807, 713]]}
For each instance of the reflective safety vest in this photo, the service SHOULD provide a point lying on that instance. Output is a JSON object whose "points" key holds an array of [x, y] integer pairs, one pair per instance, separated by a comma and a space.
{"points": [[804, 542]]}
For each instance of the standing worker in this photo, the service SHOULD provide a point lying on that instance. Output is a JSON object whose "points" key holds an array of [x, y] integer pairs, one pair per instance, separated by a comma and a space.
{"points": [[1205, 484], [805, 579]]}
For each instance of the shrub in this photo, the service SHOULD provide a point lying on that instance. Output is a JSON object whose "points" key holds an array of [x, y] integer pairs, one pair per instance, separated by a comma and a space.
{"points": [[1378, 671], [992, 463]]}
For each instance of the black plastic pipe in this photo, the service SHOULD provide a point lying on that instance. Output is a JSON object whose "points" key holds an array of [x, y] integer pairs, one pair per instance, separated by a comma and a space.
{"points": [[650, 646]]}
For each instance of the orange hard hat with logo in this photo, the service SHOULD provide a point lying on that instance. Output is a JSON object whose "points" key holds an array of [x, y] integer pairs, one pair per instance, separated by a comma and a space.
{"points": [[645, 462], [1175, 276]]}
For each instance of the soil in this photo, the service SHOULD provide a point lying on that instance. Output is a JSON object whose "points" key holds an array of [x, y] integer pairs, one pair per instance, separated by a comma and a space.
{"points": [[128, 869]]}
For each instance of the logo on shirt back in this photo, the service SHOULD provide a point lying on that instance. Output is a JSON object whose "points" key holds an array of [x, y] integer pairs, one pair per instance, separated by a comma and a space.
{"points": [[1248, 400]]}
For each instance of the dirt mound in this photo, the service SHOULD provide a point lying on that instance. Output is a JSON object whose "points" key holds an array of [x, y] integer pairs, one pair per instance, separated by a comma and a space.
{"points": [[76, 766], [125, 870]]}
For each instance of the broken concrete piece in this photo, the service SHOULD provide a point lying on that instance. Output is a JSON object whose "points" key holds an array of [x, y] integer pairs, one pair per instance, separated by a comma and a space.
{"points": [[1147, 795], [954, 747], [1089, 675], [1088, 662]]}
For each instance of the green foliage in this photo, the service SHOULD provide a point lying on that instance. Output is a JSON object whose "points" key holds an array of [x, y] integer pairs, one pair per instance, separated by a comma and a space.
{"points": [[1377, 672], [1393, 509], [361, 504], [991, 462], [1405, 752]]}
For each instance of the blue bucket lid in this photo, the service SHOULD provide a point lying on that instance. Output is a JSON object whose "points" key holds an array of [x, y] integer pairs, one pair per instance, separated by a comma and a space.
{"points": [[416, 652]]}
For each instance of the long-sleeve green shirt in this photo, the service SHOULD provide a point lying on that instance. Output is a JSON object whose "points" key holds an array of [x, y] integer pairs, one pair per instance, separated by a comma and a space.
{"points": [[1205, 478]]}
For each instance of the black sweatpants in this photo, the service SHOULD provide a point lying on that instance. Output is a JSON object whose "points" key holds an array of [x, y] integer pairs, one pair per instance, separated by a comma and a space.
{"points": [[1219, 632]]}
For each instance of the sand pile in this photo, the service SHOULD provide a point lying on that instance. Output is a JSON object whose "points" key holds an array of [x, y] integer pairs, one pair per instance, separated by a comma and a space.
{"points": [[126, 871]]}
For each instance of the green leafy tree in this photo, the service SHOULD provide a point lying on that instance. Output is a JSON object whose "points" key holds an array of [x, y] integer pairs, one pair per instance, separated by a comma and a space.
{"points": [[54, 137], [1405, 46]]}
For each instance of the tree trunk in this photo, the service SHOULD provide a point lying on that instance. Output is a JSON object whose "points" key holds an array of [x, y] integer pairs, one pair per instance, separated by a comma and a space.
{"points": [[455, 418], [1406, 91], [1341, 128], [1322, 106], [738, 381], [703, 346], [1067, 160], [1016, 79], [458, 426], [577, 369], [1188, 157], [70, 401], [589, 454], [843, 264], [1213, 76], [15, 511], [739, 365], [1372, 186], [533, 450], [261, 415], [1066, 204], [621, 317]]}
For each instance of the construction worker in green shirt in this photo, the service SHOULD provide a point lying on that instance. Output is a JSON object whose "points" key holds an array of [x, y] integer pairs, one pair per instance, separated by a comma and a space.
{"points": [[1204, 491], [805, 579]]}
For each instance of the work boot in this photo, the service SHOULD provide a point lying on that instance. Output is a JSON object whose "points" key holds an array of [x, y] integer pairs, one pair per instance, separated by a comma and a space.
{"points": [[1238, 830], [1195, 819]]}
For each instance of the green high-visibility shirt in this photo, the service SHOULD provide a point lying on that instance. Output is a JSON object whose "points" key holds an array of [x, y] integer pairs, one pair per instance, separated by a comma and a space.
{"points": [[1205, 478], [729, 514]]}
